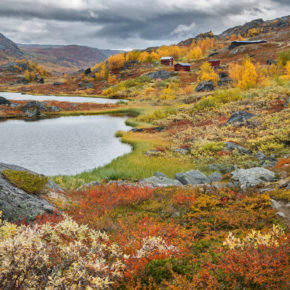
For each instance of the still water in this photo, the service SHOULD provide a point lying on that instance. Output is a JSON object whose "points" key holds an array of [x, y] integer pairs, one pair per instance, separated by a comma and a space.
{"points": [[62, 146], [21, 97]]}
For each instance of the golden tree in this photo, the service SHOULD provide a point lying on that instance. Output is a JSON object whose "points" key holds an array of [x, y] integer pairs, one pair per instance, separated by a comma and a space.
{"points": [[207, 73]]}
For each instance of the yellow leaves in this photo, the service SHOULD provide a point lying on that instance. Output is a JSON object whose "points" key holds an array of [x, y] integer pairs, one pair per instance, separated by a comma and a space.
{"points": [[207, 73], [256, 238], [195, 53], [248, 75], [116, 61]]}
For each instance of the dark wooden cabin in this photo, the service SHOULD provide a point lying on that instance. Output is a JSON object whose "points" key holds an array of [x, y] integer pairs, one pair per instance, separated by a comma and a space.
{"points": [[215, 62], [166, 60], [182, 67]]}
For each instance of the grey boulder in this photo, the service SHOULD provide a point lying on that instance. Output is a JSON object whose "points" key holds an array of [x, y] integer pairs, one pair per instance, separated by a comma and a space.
{"points": [[161, 74], [192, 177], [205, 86], [239, 117], [252, 177], [159, 180], [233, 146]]}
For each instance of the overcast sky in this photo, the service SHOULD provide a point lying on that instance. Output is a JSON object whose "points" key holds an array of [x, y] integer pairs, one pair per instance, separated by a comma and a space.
{"points": [[127, 24]]}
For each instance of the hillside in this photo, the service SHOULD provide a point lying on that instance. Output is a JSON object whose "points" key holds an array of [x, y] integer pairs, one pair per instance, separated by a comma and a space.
{"points": [[8, 49], [68, 58]]}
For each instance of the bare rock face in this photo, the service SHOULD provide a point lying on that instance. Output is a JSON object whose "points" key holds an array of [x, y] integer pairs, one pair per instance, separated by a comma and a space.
{"points": [[16, 204], [252, 177]]}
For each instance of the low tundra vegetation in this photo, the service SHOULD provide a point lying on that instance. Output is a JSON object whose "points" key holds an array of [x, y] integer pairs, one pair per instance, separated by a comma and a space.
{"points": [[124, 237]]}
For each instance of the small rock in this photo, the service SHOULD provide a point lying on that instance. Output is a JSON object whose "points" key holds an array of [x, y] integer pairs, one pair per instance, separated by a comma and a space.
{"points": [[215, 177], [53, 109], [281, 214], [261, 156], [192, 177], [160, 180], [240, 117], [181, 151], [205, 86], [161, 74], [233, 146], [4, 101]]}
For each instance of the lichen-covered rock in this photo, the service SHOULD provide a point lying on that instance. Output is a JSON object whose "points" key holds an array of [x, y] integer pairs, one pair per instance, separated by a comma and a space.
{"points": [[252, 177], [192, 177], [16, 204]]}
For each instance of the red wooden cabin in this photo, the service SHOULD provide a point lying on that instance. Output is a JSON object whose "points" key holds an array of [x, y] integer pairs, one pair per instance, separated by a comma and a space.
{"points": [[166, 60], [215, 62], [182, 67]]}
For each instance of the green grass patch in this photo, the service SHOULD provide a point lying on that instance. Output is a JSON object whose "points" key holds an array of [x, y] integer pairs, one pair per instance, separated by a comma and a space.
{"points": [[29, 182]]}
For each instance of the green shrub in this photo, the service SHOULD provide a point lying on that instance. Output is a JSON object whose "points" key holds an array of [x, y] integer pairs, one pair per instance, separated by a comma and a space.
{"points": [[283, 57], [31, 183]]}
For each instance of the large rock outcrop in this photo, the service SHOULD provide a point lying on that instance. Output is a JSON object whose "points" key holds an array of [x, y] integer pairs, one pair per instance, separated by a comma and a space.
{"points": [[16, 204], [252, 177]]}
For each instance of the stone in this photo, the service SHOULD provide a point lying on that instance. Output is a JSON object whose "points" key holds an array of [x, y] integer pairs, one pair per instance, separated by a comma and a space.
{"points": [[287, 102], [215, 177], [192, 177], [205, 86], [57, 84], [53, 109], [252, 177], [239, 148], [181, 151], [271, 61], [239, 117], [161, 74], [261, 156], [16, 204], [224, 79], [4, 101], [14, 105], [89, 185], [159, 180]]}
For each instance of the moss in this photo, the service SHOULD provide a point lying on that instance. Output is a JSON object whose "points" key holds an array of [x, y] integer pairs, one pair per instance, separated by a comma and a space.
{"points": [[31, 183]]}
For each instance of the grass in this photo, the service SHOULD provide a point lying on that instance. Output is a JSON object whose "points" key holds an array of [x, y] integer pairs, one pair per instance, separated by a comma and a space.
{"points": [[133, 166], [29, 182]]}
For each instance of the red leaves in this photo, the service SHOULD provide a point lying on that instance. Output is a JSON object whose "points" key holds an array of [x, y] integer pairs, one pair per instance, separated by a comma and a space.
{"points": [[97, 200]]}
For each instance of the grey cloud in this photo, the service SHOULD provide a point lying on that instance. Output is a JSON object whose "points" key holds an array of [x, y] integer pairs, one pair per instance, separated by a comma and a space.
{"points": [[119, 24]]}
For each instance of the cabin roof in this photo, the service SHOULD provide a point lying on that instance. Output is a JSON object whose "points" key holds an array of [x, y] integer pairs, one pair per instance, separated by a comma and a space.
{"points": [[166, 57], [183, 64]]}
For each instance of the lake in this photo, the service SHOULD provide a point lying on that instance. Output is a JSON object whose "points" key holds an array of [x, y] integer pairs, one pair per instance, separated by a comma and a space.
{"points": [[22, 97], [62, 146]]}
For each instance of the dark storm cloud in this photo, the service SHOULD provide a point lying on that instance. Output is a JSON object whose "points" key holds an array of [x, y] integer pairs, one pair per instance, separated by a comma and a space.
{"points": [[119, 24]]}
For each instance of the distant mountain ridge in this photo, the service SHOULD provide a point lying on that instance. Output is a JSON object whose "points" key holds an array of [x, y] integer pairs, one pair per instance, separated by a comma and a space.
{"points": [[243, 30], [65, 58]]}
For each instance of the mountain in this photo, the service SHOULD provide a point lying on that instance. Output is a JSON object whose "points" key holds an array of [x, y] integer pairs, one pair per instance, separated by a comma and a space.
{"points": [[59, 58], [252, 28], [8, 49]]}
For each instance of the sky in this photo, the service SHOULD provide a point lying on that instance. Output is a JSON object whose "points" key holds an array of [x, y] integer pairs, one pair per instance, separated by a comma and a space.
{"points": [[127, 24]]}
